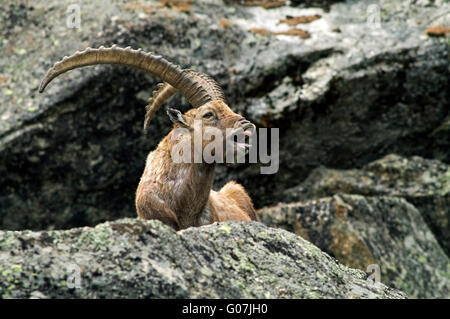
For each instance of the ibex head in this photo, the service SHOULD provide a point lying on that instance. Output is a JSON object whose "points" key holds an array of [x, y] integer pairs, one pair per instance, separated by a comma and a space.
{"points": [[202, 92], [216, 123]]}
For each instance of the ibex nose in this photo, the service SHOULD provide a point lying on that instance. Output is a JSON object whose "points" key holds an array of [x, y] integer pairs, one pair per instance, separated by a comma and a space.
{"points": [[241, 121], [245, 126], [244, 121]]}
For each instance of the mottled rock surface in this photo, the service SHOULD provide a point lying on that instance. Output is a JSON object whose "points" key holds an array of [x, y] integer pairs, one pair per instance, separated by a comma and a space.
{"points": [[362, 231], [422, 182], [351, 93], [132, 258]]}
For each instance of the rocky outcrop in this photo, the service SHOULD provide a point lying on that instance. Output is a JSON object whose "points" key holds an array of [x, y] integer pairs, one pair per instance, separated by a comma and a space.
{"points": [[423, 183], [361, 232], [132, 258], [393, 212], [347, 95]]}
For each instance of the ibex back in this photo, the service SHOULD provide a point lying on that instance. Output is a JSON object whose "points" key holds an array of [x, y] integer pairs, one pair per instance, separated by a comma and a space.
{"points": [[178, 194]]}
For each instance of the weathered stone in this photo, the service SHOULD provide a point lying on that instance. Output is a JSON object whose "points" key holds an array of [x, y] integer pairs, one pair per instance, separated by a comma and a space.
{"points": [[381, 232], [422, 182], [132, 258]]}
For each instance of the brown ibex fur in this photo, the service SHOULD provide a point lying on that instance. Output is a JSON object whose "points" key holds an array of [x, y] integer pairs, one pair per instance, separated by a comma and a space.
{"points": [[178, 194]]}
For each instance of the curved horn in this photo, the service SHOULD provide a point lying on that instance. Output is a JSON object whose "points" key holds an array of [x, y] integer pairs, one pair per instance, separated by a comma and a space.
{"points": [[165, 91], [191, 89], [212, 88]]}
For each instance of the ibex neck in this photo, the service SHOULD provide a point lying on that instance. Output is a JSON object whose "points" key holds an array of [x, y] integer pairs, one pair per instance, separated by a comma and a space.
{"points": [[190, 185]]}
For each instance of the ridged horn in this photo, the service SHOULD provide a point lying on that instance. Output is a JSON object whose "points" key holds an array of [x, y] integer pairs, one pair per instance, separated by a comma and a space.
{"points": [[212, 88], [165, 91], [191, 89]]}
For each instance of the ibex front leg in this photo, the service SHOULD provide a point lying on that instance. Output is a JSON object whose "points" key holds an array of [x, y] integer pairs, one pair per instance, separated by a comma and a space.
{"points": [[152, 207]]}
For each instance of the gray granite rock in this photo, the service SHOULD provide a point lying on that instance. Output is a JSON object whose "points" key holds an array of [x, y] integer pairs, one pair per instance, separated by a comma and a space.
{"points": [[374, 233], [422, 182], [132, 258]]}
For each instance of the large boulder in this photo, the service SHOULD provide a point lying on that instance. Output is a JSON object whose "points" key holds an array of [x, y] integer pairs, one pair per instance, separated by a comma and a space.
{"points": [[422, 182], [347, 95], [382, 232], [132, 258]]}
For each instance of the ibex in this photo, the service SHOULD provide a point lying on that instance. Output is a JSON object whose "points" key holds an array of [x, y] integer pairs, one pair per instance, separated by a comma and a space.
{"points": [[178, 194]]}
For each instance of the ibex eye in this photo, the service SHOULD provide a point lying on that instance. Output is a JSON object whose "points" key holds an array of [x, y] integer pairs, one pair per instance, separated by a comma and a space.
{"points": [[208, 115]]}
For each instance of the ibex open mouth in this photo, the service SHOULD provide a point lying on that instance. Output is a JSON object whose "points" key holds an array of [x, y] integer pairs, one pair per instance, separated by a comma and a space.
{"points": [[242, 136]]}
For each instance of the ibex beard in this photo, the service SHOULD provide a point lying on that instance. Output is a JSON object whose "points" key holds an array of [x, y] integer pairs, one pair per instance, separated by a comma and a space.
{"points": [[180, 194]]}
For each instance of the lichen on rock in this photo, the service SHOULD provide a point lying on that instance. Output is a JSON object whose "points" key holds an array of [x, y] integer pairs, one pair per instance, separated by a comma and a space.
{"points": [[132, 258], [362, 231]]}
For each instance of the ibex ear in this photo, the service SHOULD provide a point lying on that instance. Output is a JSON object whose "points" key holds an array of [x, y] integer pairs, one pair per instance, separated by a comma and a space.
{"points": [[177, 117]]}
